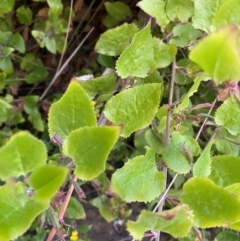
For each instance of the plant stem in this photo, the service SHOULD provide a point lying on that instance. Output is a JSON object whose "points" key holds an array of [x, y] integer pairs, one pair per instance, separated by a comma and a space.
{"points": [[167, 139], [65, 65], [62, 211]]}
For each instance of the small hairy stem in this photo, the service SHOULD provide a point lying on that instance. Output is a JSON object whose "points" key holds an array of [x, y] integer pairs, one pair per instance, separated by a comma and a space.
{"points": [[63, 210]]}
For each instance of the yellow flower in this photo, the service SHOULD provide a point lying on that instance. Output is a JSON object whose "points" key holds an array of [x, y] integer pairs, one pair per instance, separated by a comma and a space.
{"points": [[74, 236]]}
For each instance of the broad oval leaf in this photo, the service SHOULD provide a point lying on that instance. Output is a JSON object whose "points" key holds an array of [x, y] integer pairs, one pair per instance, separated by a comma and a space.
{"points": [[136, 60], [46, 181], [176, 221], [228, 115], [229, 236], [218, 55], [130, 184], [72, 111], [89, 148], [22, 154], [18, 211], [156, 9], [134, 108], [178, 155], [114, 41], [212, 205], [225, 170]]}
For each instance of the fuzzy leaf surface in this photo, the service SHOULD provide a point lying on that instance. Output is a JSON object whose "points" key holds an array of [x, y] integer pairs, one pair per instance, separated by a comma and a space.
{"points": [[225, 170], [227, 13], [114, 41], [225, 142], [179, 153], [136, 60], [46, 181], [72, 111], [181, 9], [202, 167], [218, 55], [22, 154], [228, 116], [163, 54], [156, 9], [130, 183], [134, 108], [204, 11], [212, 205], [176, 222], [89, 148], [18, 211]]}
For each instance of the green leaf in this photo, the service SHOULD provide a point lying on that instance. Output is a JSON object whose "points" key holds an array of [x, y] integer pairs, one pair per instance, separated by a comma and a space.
{"points": [[234, 189], [45, 188], [15, 205], [4, 108], [227, 235], [212, 205], [17, 42], [227, 13], [6, 6], [75, 209], [130, 184], [181, 9], [6, 65], [204, 11], [5, 36], [179, 153], [202, 167], [55, 6], [176, 221], [102, 85], [118, 10], [136, 60], [154, 141], [27, 62], [228, 116], [24, 15], [89, 148], [163, 54], [134, 108], [39, 37], [114, 41], [22, 154], [225, 170], [30, 105], [110, 21], [155, 77], [183, 34], [224, 142], [156, 9], [185, 101], [218, 55], [51, 45], [72, 111]]}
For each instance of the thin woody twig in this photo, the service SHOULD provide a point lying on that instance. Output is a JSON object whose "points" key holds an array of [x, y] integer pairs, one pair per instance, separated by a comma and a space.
{"points": [[65, 65], [63, 210]]}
